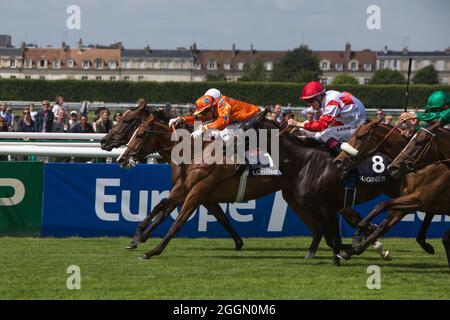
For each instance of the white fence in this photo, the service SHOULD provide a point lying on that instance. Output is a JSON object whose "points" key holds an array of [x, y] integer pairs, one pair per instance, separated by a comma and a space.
{"points": [[28, 147]]}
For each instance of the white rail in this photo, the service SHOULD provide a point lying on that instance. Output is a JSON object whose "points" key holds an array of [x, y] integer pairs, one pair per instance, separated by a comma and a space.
{"points": [[51, 136], [63, 152]]}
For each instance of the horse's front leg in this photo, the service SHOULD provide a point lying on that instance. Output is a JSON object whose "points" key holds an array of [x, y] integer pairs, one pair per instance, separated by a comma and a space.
{"points": [[421, 236]]}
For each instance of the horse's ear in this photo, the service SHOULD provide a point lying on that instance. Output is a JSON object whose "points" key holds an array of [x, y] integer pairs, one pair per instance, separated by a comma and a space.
{"points": [[262, 114]]}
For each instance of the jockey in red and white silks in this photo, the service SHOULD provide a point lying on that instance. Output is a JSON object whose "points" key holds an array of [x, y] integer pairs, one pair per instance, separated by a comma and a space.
{"points": [[342, 113]]}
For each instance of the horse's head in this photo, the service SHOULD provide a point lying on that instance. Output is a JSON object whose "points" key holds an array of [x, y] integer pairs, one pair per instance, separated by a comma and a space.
{"points": [[146, 139], [367, 140], [413, 152], [122, 131]]}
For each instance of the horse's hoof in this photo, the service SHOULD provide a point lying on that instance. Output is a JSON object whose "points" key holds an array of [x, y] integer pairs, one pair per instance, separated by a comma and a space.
{"points": [[131, 246], [387, 256], [344, 255], [239, 245], [336, 261], [428, 248], [145, 257], [309, 255]]}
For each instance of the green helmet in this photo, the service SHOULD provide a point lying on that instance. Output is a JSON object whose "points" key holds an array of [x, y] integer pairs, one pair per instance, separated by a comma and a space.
{"points": [[438, 99]]}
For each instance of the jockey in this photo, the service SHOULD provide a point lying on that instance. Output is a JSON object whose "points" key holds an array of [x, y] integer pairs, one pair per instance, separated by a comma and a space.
{"points": [[227, 112], [342, 113], [437, 108], [198, 117]]}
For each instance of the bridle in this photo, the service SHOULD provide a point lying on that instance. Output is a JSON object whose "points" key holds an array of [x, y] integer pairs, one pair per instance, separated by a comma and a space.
{"points": [[430, 145], [150, 129]]}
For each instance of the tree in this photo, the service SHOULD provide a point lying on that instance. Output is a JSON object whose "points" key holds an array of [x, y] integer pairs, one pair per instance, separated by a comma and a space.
{"points": [[387, 76], [254, 71], [344, 78], [426, 75], [298, 65], [215, 77]]}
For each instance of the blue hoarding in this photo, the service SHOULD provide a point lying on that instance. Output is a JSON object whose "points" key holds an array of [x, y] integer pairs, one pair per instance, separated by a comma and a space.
{"points": [[92, 200]]}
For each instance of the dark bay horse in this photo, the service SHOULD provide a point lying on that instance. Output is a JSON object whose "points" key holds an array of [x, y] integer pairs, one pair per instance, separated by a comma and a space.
{"points": [[211, 182], [368, 139]]}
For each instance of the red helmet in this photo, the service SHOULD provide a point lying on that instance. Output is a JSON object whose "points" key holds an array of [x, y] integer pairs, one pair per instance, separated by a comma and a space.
{"points": [[311, 90]]}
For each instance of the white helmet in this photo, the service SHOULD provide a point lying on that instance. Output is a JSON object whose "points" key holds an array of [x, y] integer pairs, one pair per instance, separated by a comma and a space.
{"points": [[213, 93]]}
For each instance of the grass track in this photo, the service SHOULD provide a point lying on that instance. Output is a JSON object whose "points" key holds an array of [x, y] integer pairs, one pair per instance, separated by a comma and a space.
{"points": [[34, 268]]}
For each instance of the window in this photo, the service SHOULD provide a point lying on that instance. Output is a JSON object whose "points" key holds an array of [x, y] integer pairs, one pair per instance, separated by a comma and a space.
{"points": [[142, 65], [12, 77], [324, 65], [269, 66], [227, 66], [368, 66], [212, 65], [126, 78], [70, 63], [339, 66], [141, 78], [56, 64], [42, 77], [366, 80], [12, 63], [112, 64], [84, 78], [197, 66], [27, 77], [86, 64], [42, 63], [28, 63], [99, 64], [381, 65], [98, 78], [353, 65], [112, 78], [240, 66]]}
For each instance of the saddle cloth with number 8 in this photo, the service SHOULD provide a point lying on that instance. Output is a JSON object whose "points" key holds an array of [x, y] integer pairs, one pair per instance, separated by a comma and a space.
{"points": [[374, 169]]}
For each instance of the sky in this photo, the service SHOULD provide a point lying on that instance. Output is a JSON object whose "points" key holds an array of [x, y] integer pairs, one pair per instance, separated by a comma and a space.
{"points": [[217, 24]]}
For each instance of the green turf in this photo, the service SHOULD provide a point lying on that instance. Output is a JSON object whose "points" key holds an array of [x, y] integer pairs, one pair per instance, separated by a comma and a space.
{"points": [[33, 268]]}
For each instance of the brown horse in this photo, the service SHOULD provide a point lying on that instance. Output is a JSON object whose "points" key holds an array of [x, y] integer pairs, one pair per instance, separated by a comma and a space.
{"points": [[427, 190], [147, 139], [431, 144], [367, 140], [121, 133]]}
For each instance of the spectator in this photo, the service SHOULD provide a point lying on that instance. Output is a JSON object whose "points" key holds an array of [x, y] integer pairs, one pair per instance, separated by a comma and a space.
{"points": [[380, 114], [59, 104], [44, 118], [83, 126], [26, 123], [73, 118], [61, 124], [309, 115], [278, 115], [272, 116], [117, 116], [104, 124], [97, 113], [3, 128], [33, 112], [84, 107], [6, 113], [388, 119]]}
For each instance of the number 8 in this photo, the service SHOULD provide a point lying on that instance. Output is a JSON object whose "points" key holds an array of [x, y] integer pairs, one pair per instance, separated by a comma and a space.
{"points": [[378, 164]]}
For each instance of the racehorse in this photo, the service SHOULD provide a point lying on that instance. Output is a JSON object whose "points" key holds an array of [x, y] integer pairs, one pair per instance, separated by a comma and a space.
{"points": [[121, 133], [368, 139], [431, 141], [147, 139]]}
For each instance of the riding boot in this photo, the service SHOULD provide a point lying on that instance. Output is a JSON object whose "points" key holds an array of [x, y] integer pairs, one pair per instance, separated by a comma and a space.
{"points": [[334, 146]]}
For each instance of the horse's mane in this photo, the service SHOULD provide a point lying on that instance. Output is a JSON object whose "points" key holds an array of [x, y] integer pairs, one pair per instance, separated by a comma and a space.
{"points": [[304, 142]]}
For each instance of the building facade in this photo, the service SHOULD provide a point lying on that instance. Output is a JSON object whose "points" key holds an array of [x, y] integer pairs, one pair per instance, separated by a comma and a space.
{"points": [[399, 60]]}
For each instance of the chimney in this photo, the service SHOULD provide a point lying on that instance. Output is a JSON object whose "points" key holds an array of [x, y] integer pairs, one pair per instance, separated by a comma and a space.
{"points": [[252, 50], [385, 49], [405, 50], [80, 44], [348, 50], [194, 47], [234, 49]]}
